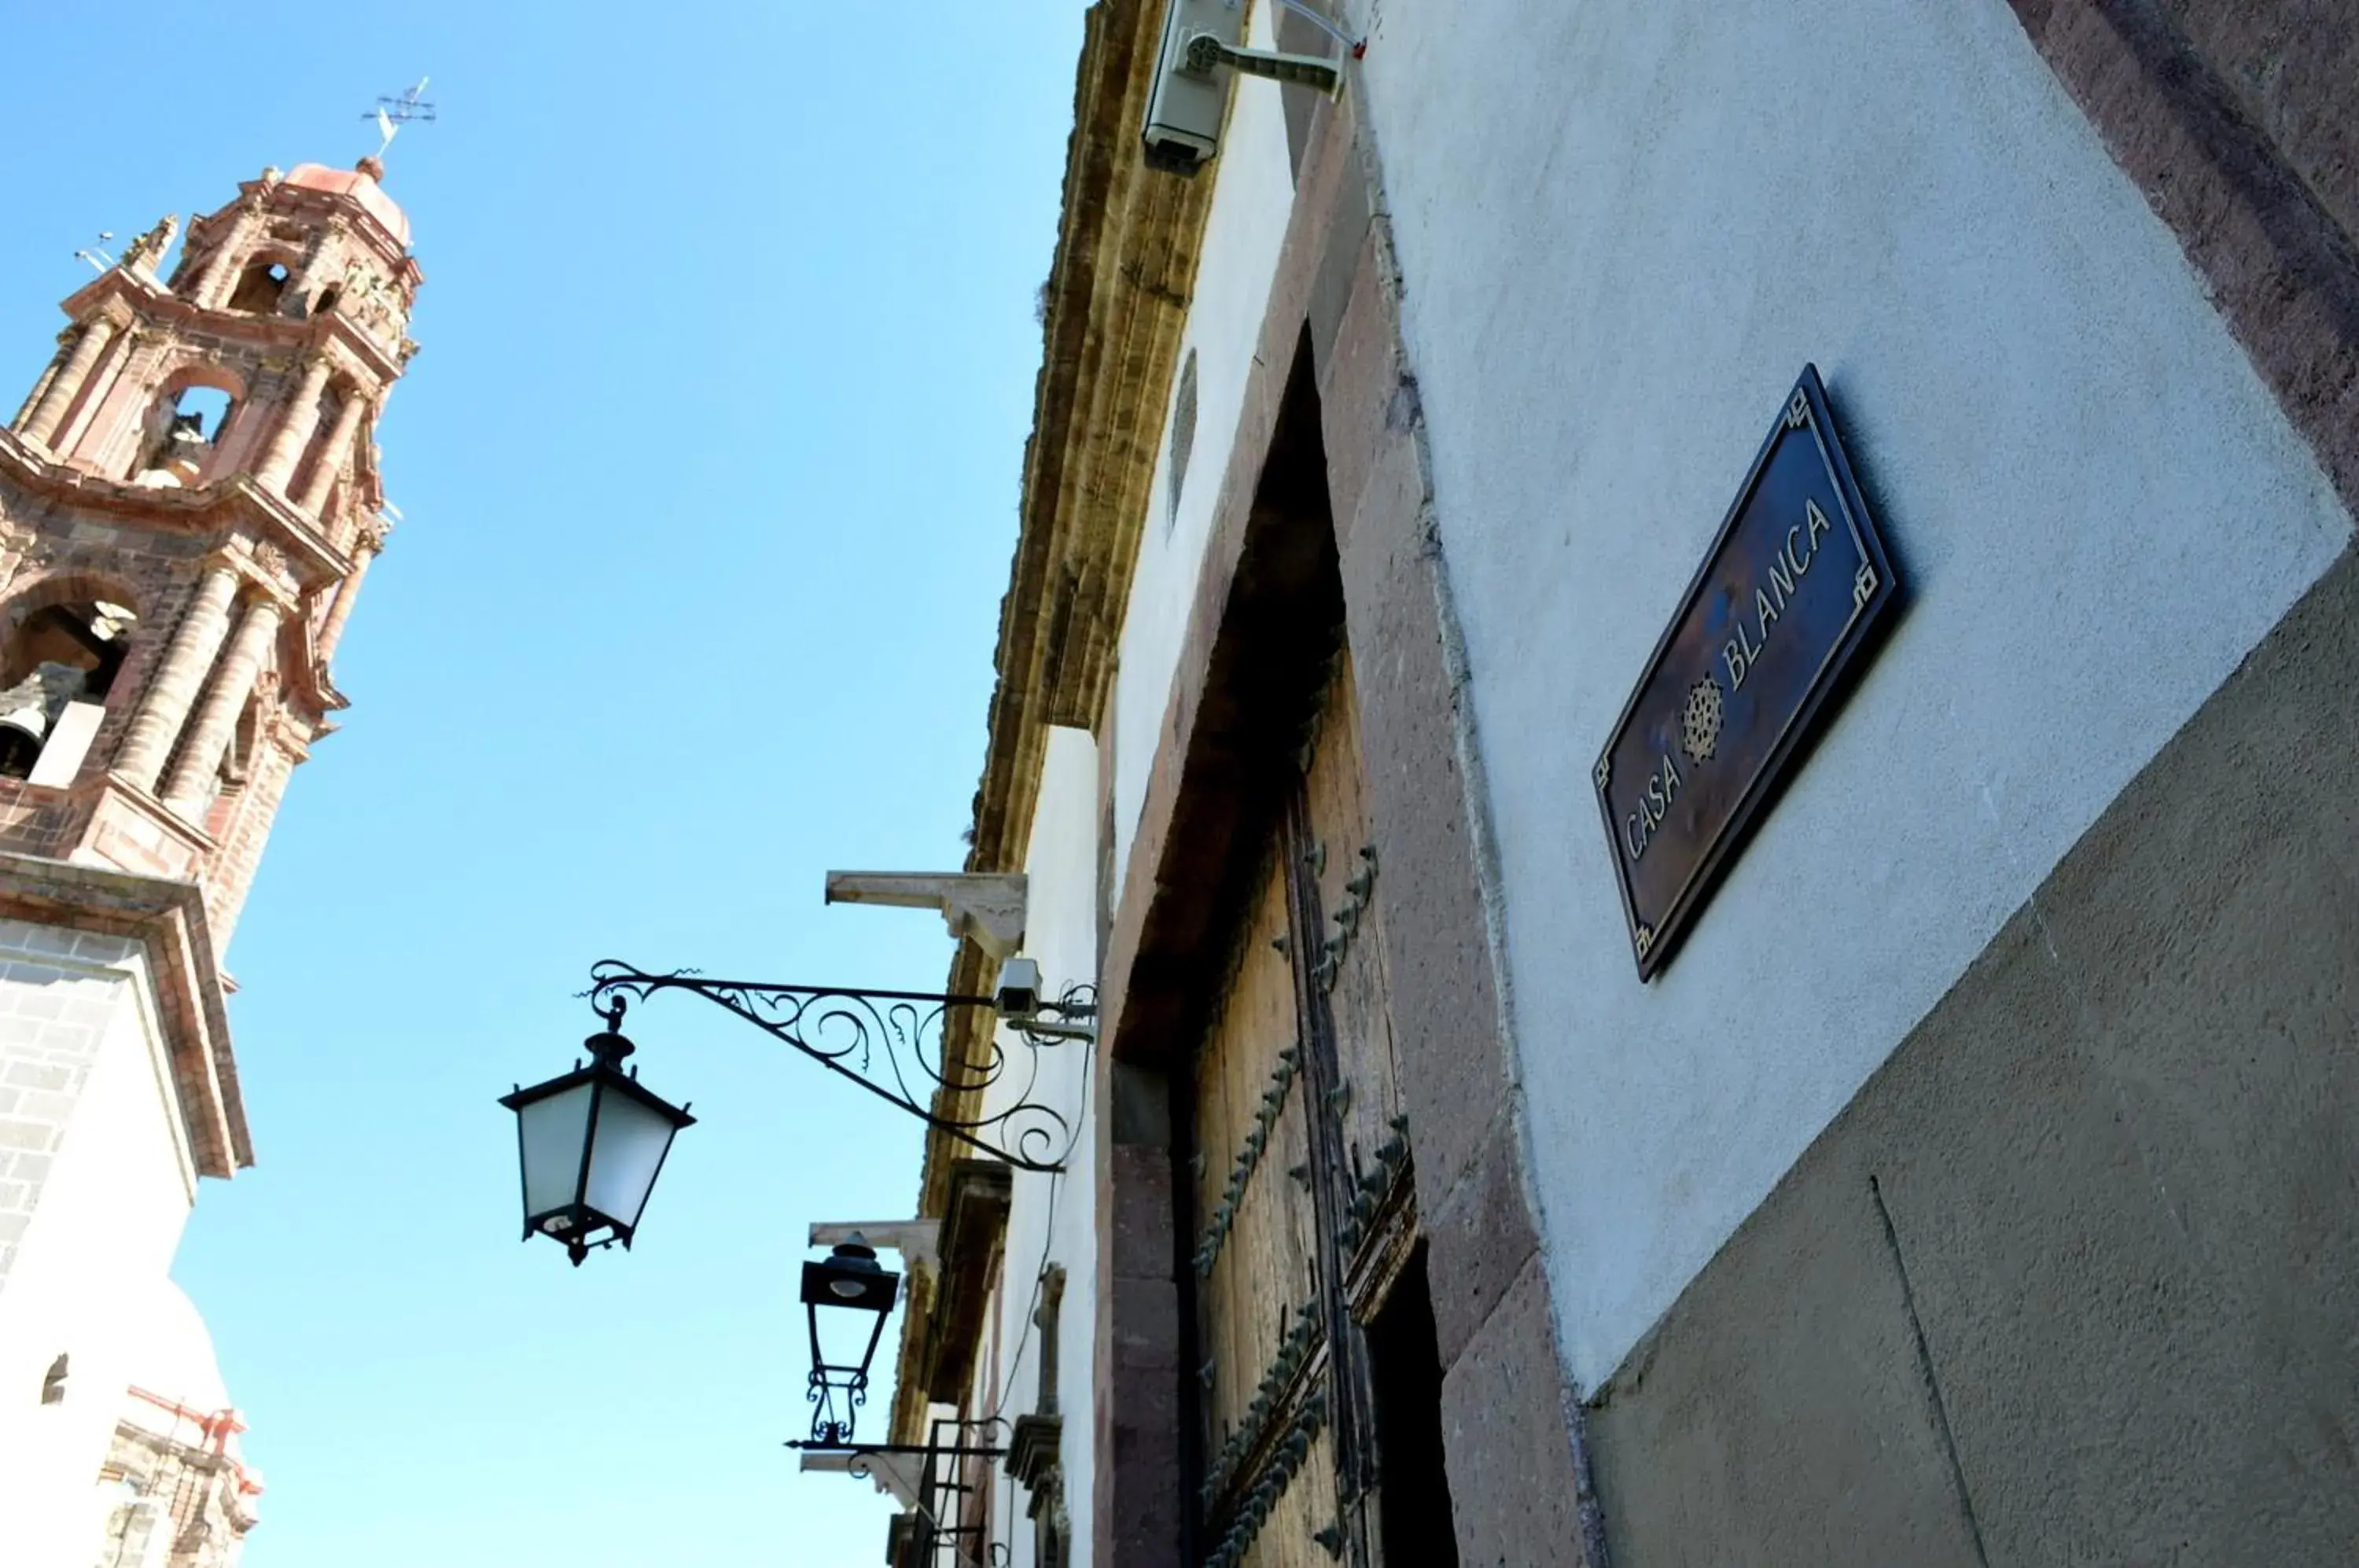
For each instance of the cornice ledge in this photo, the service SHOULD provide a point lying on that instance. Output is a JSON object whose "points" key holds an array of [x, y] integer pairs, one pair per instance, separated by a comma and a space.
{"points": [[1110, 343], [198, 841], [289, 528], [974, 1219], [207, 508], [169, 919], [278, 194], [140, 297], [139, 293]]}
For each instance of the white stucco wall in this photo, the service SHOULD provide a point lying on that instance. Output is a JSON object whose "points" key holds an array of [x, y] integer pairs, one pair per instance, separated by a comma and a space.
{"points": [[1052, 1219], [1623, 230], [113, 1201], [1252, 195]]}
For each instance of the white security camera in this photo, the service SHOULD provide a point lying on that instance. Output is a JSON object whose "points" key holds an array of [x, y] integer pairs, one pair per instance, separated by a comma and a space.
{"points": [[1018, 996], [1201, 44], [1018, 1001]]}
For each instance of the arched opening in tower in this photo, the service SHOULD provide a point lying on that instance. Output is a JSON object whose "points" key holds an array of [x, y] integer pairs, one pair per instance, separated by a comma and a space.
{"points": [[203, 410], [262, 286], [184, 427], [56, 658]]}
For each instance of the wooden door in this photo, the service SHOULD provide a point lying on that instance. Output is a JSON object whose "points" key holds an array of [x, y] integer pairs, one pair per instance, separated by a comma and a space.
{"points": [[1300, 1183]]}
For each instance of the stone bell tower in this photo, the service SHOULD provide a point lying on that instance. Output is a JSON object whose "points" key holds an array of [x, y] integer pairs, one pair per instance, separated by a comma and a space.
{"points": [[189, 500]]}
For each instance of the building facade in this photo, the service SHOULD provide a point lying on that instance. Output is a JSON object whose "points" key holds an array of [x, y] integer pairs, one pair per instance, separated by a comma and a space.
{"points": [[189, 499], [1974, 1184]]}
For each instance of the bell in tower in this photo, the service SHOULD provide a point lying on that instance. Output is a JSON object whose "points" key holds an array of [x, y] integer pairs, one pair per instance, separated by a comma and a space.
{"points": [[190, 497]]}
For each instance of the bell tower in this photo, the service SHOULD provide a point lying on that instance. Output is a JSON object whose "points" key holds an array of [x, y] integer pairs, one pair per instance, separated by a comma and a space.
{"points": [[190, 497], [188, 501]]}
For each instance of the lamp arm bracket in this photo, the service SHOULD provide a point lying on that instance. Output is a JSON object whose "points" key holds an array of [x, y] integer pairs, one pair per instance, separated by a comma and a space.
{"points": [[891, 1044]]}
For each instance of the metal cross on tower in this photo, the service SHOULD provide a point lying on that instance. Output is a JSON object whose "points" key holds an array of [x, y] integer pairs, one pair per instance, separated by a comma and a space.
{"points": [[392, 114]]}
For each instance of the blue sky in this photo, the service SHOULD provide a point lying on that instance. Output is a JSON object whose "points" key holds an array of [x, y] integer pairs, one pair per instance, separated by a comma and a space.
{"points": [[710, 467]]}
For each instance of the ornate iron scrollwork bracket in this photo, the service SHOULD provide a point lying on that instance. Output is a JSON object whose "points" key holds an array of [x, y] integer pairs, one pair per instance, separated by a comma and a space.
{"points": [[935, 1480], [891, 1044], [859, 1451]]}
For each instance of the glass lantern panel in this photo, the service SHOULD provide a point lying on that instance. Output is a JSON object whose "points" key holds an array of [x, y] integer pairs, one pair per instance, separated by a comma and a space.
{"points": [[630, 1140], [844, 1335], [552, 1132]]}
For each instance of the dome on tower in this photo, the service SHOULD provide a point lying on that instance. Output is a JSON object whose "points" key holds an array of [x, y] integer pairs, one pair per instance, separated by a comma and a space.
{"points": [[174, 1352], [360, 183]]}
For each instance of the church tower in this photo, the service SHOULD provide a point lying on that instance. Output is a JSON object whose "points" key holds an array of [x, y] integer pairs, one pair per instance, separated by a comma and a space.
{"points": [[189, 499]]}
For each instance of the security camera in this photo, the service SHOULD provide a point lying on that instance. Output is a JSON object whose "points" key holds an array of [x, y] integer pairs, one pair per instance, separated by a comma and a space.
{"points": [[1202, 43], [1185, 106], [1018, 1001], [1018, 996]]}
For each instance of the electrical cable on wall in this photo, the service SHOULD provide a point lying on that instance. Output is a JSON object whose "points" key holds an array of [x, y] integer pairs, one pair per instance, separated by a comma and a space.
{"points": [[1047, 1242], [1358, 47]]}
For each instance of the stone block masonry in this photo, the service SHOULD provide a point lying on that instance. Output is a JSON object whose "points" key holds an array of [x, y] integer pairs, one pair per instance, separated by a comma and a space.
{"points": [[59, 990]]}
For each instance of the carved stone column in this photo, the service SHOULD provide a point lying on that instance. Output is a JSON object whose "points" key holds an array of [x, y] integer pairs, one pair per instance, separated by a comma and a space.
{"points": [[165, 706], [297, 421], [189, 788], [49, 373], [364, 548], [220, 272], [332, 451], [43, 422], [107, 432]]}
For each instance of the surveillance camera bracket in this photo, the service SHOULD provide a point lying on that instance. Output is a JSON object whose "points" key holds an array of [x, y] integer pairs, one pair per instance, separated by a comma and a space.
{"points": [[1038, 1029], [1206, 52]]}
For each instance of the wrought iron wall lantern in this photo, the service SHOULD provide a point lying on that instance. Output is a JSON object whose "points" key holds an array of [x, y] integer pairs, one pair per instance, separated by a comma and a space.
{"points": [[856, 1295], [591, 1141]]}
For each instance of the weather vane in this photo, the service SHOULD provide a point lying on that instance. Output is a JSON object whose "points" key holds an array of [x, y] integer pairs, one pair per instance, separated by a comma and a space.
{"points": [[392, 114]]}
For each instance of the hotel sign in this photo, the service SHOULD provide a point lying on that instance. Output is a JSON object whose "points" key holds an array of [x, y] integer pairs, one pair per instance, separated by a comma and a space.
{"points": [[1788, 593]]}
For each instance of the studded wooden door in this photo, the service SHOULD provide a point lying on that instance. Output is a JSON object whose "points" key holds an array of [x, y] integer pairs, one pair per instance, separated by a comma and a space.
{"points": [[1300, 1183]]}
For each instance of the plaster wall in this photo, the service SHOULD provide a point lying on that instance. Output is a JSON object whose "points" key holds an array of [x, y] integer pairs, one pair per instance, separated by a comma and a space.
{"points": [[115, 1184], [1253, 193], [1053, 1219], [1622, 231], [2073, 1279]]}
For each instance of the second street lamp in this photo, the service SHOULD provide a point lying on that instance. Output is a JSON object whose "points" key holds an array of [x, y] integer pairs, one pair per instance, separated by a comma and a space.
{"points": [[847, 1297]]}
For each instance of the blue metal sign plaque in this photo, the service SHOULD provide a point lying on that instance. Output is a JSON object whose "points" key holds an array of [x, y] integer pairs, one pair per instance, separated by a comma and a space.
{"points": [[1794, 584]]}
